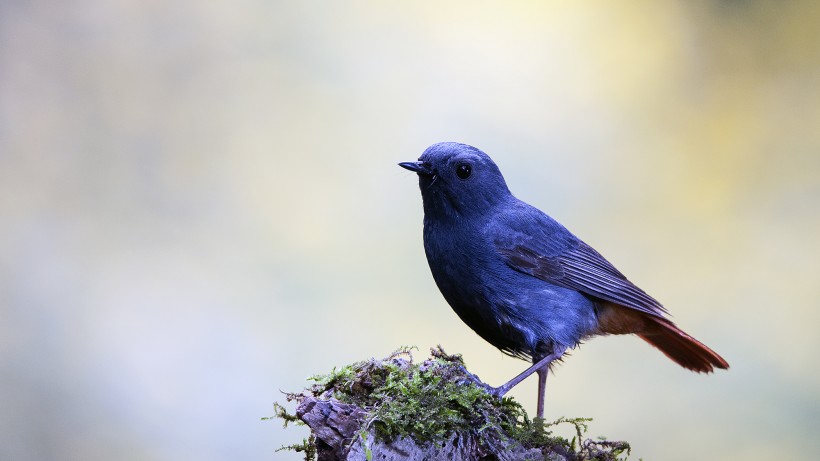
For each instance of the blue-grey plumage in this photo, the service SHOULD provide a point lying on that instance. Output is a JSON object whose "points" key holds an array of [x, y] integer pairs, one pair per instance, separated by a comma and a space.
{"points": [[518, 313], [520, 279]]}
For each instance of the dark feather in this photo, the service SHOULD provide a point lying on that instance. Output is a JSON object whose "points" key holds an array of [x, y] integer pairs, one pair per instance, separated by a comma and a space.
{"points": [[558, 257]]}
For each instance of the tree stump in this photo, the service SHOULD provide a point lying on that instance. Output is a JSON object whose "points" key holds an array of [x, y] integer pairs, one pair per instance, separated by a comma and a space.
{"points": [[394, 409]]}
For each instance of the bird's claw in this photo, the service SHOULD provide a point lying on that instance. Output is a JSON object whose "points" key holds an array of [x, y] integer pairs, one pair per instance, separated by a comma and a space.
{"points": [[494, 391]]}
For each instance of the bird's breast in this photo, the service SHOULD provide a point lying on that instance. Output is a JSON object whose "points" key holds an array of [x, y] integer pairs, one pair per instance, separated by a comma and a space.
{"points": [[515, 312]]}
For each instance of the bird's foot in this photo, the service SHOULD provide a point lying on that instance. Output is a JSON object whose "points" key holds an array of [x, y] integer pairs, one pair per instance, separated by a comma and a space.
{"points": [[478, 382], [499, 392]]}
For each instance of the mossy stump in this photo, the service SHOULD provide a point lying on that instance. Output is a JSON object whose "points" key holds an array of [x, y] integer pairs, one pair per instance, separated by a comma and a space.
{"points": [[394, 409]]}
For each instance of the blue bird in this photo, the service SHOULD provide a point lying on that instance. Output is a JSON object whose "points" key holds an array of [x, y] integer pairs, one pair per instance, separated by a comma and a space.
{"points": [[521, 280]]}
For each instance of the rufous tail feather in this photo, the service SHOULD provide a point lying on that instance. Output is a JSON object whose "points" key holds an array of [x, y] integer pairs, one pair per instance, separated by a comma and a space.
{"points": [[685, 350]]}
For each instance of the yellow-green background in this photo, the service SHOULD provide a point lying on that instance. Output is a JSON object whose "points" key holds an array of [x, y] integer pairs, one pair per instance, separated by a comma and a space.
{"points": [[200, 206]]}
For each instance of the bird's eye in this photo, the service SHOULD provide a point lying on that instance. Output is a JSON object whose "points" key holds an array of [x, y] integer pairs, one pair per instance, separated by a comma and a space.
{"points": [[463, 170]]}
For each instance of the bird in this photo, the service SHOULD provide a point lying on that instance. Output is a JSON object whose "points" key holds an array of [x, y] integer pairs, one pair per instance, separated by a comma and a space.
{"points": [[521, 280]]}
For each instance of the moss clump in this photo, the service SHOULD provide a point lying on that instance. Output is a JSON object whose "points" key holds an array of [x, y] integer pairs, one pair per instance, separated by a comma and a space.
{"points": [[308, 445], [432, 400]]}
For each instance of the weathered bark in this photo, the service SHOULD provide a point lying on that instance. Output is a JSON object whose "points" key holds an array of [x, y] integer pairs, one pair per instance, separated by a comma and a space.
{"points": [[337, 428], [394, 409], [333, 423]]}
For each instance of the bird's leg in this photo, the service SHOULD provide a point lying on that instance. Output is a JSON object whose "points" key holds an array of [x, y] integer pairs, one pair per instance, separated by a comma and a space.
{"points": [[542, 389], [543, 363]]}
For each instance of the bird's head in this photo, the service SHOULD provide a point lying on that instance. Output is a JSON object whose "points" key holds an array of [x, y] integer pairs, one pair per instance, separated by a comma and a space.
{"points": [[458, 180]]}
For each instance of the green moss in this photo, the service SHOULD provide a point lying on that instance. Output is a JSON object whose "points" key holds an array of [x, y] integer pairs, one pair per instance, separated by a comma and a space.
{"points": [[430, 401], [281, 412], [308, 445]]}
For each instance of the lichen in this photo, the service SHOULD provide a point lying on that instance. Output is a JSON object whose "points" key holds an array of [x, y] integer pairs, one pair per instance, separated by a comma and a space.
{"points": [[432, 400]]}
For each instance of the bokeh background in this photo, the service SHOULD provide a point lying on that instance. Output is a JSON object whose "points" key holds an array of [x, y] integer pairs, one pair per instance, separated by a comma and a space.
{"points": [[200, 206]]}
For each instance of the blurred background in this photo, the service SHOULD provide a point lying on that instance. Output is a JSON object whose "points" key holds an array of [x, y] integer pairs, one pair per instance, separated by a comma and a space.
{"points": [[200, 206]]}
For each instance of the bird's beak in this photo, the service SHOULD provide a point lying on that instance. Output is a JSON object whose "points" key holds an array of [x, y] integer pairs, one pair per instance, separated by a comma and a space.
{"points": [[422, 168]]}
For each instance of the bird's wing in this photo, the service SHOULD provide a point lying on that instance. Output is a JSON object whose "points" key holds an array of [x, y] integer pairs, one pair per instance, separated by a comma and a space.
{"points": [[531, 242]]}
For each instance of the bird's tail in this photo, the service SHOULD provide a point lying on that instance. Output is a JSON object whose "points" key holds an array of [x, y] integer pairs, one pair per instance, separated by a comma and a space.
{"points": [[685, 350]]}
